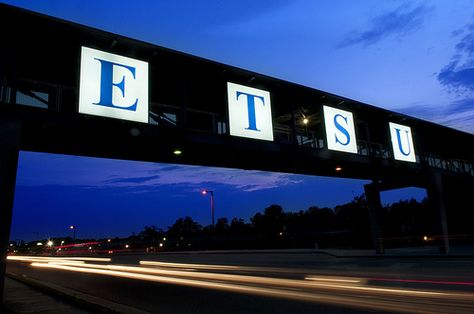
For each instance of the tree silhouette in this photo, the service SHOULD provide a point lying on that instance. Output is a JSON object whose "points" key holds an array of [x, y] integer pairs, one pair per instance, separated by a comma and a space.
{"points": [[346, 225], [150, 235], [184, 227]]}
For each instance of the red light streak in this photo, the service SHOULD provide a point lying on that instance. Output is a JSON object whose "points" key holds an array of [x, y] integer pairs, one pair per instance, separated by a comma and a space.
{"points": [[464, 283]]}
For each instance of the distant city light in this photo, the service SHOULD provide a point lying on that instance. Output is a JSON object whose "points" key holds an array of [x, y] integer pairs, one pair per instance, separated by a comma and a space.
{"points": [[126, 246], [425, 238], [177, 152], [164, 239], [71, 227], [108, 240], [39, 243], [204, 192], [50, 243], [338, 169], [161, 244], [305, 120]]}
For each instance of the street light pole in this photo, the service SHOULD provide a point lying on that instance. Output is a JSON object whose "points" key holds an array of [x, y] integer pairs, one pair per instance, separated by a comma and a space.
{"points": [[73, 228], [205, 192], [212, 207]]}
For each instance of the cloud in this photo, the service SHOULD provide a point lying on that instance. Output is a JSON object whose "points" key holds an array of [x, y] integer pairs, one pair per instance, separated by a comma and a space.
{"points": [[199, 177], [458, 81], [458, 114], [39, 169], [458, 75], [132, 180], [396, 23]]}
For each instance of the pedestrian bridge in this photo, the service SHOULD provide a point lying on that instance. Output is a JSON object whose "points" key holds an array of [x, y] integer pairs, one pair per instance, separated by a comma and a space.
{"points": [[70, 89]]}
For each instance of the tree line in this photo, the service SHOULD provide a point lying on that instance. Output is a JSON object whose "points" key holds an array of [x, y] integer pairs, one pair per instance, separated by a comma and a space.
{"points": [[407, 222]]}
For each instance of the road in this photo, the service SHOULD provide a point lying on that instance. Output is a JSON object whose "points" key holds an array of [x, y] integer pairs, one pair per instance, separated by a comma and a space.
{"points": [[264, 283]]}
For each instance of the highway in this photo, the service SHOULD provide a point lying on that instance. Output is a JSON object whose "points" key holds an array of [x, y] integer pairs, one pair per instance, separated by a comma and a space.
{"points": [[263, 283]]}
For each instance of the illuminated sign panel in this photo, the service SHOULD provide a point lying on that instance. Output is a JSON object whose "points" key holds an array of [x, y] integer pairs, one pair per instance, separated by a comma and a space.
{"points": [[340, 131], [113, 86], [402, 142], [250, 113]]}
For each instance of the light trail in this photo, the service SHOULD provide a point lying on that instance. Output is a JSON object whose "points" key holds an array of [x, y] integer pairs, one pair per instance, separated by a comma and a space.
{"points": [[254, 290], [51, 258], [255, 280], [333, 279], [198, 266], [348, 291], [66, 262], [40, 259], [207, 267], [242, 279], [91, 259], [440, 282]]}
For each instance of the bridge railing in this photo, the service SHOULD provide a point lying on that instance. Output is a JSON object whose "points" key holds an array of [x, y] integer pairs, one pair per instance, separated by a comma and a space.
{"points": [[62, 98], [452, 165]]}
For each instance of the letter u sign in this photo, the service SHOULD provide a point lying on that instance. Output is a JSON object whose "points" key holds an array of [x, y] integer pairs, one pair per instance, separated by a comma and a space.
{"points": [[402, 142]]}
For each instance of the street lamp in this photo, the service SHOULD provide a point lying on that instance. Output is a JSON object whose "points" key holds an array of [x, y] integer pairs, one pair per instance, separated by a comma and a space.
{"points": [[73, 228], [205, 192]]}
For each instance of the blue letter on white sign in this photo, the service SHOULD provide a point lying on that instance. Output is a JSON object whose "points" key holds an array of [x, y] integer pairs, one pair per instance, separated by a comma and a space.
{"points": [[107, 84], [400, 142], [342, 130], [251, 109]]}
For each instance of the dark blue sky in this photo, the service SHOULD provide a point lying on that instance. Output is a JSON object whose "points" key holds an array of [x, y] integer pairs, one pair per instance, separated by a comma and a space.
{"points": [[416, 57]]}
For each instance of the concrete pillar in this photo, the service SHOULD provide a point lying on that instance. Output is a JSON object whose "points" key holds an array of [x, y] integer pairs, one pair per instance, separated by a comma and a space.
{"points": [[10, 132], [372, 195], [436, 198]]}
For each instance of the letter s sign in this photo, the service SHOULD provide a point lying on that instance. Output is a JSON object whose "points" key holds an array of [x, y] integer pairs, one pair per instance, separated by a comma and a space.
{"points": [[340, 131]]}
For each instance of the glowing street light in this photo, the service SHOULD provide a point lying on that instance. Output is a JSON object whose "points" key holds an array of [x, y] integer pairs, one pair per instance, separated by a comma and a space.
{"points": [[73, 228], [50, 243], [205, 192]]}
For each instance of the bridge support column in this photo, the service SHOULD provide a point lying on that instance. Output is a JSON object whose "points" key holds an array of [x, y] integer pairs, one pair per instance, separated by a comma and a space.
{"points": [[372, 195], [436, 197], [10, 132]]}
